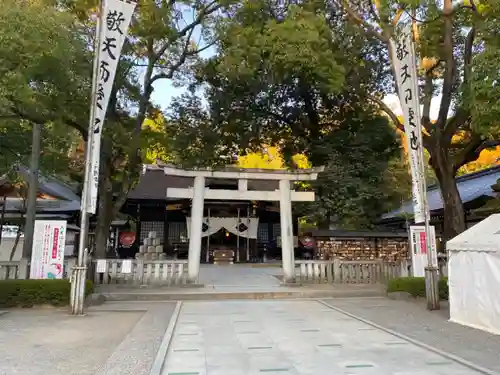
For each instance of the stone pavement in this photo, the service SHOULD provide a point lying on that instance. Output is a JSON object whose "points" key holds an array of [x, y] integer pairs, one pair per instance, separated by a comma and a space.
{"points": [[240, 276], [291, 337], [432, 328]]}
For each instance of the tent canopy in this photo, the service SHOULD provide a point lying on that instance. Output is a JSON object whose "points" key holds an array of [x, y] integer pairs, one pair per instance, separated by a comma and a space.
{"points": [[484, 236]]}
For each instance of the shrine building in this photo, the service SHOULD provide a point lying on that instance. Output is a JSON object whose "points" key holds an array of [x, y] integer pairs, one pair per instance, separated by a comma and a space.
{"points": [[196, 212]]}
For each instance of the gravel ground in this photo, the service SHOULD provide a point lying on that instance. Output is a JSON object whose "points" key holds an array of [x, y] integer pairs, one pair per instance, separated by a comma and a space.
{"points": [[411, 318], [40, 342], [136, 353], [116, 338]]}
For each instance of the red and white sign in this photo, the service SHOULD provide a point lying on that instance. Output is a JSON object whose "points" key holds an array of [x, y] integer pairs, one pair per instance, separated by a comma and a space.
{"points": [[419, 258], [47, 256]]}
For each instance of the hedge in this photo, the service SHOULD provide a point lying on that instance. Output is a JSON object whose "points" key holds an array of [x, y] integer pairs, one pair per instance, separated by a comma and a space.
{"points": [[28, 293], [415, 286]]}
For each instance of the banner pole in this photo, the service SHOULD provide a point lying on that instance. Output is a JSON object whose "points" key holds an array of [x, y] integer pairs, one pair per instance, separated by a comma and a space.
{"points": [[431, 272], [238, 238], [207, 255], [79, 272], [248, 236]]}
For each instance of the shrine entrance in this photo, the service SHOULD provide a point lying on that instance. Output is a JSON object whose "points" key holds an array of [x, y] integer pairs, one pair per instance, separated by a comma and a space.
{"points": [[200, 227]]}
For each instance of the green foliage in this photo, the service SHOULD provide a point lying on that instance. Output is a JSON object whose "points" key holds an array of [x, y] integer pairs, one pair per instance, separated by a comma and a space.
{"points": [[356, 185], [45, 69], [415, 286], [44, 78], [458, 49], [29, 293], [57, 145]]}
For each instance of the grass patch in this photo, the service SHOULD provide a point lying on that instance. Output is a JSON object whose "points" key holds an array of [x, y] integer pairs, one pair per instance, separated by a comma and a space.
{"points": [[29, 293], [415, 286]]}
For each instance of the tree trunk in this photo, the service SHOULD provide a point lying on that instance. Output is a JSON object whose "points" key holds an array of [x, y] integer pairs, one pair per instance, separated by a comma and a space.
{"points": [[29, 223], [105, 214], [454, 215], [104, 220], [16, 242], [20, 229]]}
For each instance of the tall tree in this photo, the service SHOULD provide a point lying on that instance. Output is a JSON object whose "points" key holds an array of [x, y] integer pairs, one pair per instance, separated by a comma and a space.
{"points": [[456, 43], [34, 39], [283, 77], [165, 38]]}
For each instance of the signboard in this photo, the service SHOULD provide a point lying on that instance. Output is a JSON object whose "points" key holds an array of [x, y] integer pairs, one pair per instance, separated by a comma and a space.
{"points": [[126, 266], [47, 256], [101, 266], [419, 249]]}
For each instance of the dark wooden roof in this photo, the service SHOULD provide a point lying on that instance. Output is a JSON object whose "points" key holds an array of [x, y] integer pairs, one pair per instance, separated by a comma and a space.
{"points": [[471, 186], [153, 184]]}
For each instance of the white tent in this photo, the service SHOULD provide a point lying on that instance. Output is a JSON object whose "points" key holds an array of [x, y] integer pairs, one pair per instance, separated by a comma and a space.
{"points": [[474, 276]]}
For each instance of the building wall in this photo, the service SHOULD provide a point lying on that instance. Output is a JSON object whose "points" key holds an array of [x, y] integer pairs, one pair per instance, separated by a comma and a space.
{"points": [[387, 249]]}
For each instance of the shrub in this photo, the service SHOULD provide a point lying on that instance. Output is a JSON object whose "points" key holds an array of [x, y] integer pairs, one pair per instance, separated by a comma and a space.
{"points": [[28, 293], [415, 286]]}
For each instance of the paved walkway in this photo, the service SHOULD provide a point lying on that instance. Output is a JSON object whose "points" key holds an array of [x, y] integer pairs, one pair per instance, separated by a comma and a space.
{"points": [[291, 337], [432, 328], [240, 277]]}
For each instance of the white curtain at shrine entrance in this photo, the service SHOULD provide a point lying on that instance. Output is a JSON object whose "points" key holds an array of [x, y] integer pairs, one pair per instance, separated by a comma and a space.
{"points": [[243, 227]]}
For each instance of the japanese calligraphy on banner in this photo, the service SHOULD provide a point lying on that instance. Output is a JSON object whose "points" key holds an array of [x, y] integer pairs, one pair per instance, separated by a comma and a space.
{"points": [[47, 255], [419, 248], [114, 22], [404, 60]]}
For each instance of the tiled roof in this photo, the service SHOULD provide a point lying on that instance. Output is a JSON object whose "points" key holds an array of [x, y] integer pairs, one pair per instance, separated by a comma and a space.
{"points": [[153, 184], [470, 186]]}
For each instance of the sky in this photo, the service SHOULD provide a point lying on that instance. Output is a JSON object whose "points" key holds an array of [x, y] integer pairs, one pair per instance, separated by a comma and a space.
{"points": [[164, 93]]}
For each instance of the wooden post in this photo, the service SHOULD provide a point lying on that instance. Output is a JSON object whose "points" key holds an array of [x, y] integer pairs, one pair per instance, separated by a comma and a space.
{"points": [[248, 235], [238, 238], [23, 269], [337, 277], [207, 255]]}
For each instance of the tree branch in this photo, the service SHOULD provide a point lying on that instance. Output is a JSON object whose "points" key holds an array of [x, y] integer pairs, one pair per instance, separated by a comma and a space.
{"points": [[472, 150], [182, 59], [427, 100], [454, 123], [206, 11], [365, 26], [449, 70], [17, 113], [469, 43], [384, 107]]}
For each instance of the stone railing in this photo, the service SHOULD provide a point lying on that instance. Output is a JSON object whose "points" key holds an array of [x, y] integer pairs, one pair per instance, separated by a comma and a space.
{"points": [[349, 272], [141, 272], [10, 270]]}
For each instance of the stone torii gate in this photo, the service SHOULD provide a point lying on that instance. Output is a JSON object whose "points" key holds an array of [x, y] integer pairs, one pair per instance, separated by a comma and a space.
{"points": [[199, 192]]}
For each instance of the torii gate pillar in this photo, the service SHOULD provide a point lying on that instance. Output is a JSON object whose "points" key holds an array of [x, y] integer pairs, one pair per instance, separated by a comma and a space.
{"points": [[286, 222], [196, 228]]}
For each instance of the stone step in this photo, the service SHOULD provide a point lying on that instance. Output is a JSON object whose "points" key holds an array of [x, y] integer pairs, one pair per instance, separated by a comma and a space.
{"points": [[236, 295]]}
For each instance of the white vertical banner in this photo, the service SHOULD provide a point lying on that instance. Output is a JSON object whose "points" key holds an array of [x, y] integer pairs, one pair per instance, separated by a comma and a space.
{"points": [[47, 255], [404, 60], [418, 243], [114, 22]]}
